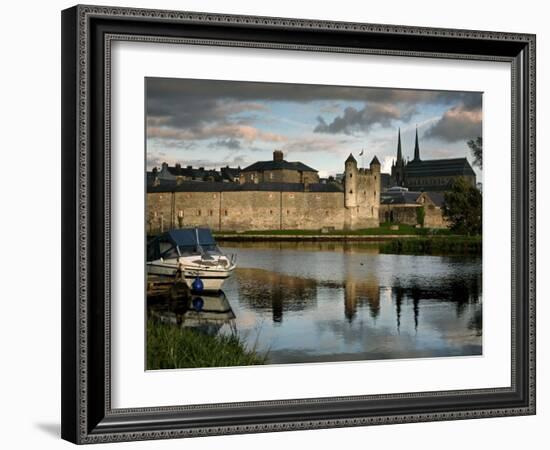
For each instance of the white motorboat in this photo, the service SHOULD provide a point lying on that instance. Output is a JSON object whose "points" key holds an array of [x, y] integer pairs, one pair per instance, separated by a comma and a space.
{"points": [[193, 255]]}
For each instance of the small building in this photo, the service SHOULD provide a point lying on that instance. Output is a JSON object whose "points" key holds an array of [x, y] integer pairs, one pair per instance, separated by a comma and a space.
{"points": [[400, 206], [179, 173], [230, 174], [279, 171]]}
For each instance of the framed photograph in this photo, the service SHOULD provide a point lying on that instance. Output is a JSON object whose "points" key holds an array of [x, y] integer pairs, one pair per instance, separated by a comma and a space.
{"points": [[281, 224]]}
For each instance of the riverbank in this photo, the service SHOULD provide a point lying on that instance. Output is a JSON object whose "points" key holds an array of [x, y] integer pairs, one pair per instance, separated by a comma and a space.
{"points": [[172, 347], [383, 233], [401, 239]]}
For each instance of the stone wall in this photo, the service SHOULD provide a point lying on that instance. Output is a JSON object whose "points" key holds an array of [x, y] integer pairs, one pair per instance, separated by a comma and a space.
{"points": [[434, 217], [255, 210], [404, 214], [407, 215]]}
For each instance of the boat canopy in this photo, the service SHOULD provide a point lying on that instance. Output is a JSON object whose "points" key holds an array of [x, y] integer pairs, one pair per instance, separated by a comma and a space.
{"points": [[187, 237], [187, 240]]}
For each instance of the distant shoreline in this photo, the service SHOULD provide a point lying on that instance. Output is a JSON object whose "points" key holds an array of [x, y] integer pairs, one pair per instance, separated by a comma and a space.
{"points": [[241, 237], [388, 243]]}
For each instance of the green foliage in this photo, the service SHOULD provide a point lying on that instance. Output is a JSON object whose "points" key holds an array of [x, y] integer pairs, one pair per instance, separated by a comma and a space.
{"points": [[448, 245], [420, 215], [172, 347], [383, 229], [476, 146], [462, 208]]}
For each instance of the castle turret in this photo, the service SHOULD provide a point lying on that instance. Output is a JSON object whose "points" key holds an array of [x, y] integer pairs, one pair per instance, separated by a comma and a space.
{"points": [[375, 165], [350, 182], [416, 148]]}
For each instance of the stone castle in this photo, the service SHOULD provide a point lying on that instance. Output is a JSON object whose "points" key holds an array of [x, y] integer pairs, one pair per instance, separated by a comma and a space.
{"points": [[269, 195]]}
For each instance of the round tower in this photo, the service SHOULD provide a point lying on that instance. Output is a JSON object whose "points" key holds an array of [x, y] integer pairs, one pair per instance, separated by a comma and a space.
{"points": [[350, 182]]}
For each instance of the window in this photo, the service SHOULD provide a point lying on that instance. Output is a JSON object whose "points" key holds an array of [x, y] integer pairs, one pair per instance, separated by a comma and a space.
{"points": [[350, 191], [350, 175], [210, 212], [199, 212], [225, 213], [271, 212]]}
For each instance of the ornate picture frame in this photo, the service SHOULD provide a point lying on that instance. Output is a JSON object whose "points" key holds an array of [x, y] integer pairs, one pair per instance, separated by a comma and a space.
{"points": [[87, 35]]}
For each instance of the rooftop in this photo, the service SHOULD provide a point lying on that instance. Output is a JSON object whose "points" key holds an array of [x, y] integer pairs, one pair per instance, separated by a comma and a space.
{"points": [[260, 166], [212, 186], [440, 167], [400, 197]]}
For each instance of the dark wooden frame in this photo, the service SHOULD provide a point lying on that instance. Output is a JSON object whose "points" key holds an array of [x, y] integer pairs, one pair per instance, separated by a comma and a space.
{"points": [[87, 32]]}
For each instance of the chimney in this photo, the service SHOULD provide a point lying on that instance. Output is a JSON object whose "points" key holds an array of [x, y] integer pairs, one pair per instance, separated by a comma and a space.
{"points": [[277, 155], [178, 166]]}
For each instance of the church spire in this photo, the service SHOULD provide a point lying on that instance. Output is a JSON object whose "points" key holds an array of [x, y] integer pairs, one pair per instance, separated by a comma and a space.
{"points": [[399, 153], [416, 147]]}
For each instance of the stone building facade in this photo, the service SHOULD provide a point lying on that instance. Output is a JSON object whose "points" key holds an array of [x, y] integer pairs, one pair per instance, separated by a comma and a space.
{"points": [[279, 171], [428, 175], [268, 205], [398, 205]]}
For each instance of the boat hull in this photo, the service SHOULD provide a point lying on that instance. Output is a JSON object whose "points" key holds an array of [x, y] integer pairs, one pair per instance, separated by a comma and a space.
{"points": [[211, 278]]}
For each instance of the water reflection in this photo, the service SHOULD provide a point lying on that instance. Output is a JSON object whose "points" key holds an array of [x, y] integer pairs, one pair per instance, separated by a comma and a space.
{"points": [[205, 313], [305, 302]]}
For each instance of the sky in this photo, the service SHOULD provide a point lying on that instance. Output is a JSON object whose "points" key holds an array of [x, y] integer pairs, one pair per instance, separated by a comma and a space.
{"points": [[213, 123]]}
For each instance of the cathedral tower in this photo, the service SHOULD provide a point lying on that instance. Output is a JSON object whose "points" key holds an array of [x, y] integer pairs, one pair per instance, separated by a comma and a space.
{"points": [[416, 147], [398, 169]]}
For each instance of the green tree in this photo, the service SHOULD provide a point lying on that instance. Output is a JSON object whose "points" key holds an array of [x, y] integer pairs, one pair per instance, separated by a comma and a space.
{"points": [[420, 216], [462, 207], [476, 146]]}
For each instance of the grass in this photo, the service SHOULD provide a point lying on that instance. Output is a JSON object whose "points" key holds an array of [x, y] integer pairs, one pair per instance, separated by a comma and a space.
{"points": [[171, 347], [449, 245], [383, 229]]}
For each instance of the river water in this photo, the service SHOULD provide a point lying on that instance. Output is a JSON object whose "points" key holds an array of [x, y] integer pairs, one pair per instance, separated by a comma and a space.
{"points": [[319, 302]]}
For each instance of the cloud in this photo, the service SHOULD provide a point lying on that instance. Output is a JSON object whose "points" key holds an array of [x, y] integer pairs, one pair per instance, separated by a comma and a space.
{"points": [[459, 123], [174, 89], [222, 131], [362, 120], [230, 143], [307, 144]]}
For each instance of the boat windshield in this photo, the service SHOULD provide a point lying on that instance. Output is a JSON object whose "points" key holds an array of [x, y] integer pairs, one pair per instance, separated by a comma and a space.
{"points": [[188, 241], [189, 250]]}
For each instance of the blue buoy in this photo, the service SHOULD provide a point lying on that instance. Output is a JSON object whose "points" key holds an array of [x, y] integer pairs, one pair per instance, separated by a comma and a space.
{"points": [[197, 285], [198, 303]]}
